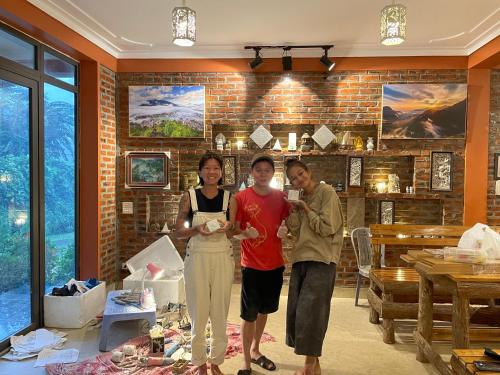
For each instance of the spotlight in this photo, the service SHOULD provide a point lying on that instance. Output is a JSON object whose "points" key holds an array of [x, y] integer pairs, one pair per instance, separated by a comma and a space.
{"points": [[326, 61], [257, 61], [286, 60]]}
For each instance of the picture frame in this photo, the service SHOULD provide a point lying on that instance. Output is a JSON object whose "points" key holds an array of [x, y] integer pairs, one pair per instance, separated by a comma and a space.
{"points": [[355, 171], [229, 171], [424, 111], [387, 212], [147, 170], [441, 171], [496, 166], [166, 111]]}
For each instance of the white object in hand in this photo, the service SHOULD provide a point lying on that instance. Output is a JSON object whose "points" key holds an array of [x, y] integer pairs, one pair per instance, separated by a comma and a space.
{"points": [[213, 225], [282, 230], [251, 232], [293, 195]]}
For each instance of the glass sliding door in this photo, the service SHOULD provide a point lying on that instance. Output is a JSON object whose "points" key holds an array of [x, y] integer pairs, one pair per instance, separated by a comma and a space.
{"points": [[19, 306], [60, 183]]}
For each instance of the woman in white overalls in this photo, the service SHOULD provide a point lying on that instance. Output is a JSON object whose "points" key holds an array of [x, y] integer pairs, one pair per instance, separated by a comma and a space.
{"points": [[209, 263]]}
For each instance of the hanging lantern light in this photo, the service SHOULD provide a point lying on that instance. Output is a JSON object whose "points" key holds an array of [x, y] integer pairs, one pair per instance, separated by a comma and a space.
{"points": [[393, 24], [183, 26]]}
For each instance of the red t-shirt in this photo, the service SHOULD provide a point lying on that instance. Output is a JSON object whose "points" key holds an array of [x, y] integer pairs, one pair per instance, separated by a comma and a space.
{"points": [[264, 213]]}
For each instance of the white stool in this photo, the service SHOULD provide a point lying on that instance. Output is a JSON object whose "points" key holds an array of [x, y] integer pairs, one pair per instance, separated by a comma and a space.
{"points": [[115, 312]]}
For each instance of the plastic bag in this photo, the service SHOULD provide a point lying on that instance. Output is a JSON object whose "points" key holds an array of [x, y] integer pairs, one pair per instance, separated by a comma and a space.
{"points": [[491, 243], [473, 237]]}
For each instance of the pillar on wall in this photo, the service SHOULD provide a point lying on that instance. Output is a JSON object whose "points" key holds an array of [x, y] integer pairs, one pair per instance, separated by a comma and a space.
{"points": [[476, 148]]}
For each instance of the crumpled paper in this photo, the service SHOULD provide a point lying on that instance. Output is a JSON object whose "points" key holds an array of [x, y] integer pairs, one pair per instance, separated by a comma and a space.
{"points": [[32, 343]]}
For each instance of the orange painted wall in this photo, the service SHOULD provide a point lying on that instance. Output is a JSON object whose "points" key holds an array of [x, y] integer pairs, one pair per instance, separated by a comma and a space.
{"points": [[476, 147]]}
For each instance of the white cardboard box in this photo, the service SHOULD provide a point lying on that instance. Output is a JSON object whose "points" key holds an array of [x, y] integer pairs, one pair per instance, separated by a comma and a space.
{"points": [[74, 311], [170, 288]]}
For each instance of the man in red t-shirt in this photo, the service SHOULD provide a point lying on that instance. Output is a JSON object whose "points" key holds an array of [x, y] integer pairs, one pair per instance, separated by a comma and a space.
{"points": [[257, 214]]}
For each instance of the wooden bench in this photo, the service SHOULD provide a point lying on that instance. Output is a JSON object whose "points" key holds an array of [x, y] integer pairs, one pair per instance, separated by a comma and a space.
{"points": [[387, 285], [462, 361]]}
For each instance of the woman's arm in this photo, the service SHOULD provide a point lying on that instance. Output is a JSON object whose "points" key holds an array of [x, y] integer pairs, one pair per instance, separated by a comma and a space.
{"points": [[293, 222], [181, 231], [329, 218]]}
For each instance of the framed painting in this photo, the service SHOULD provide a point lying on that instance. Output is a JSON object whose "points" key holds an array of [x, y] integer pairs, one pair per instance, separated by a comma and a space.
{"points": [[166, 111], [496, 166], [387, 212], [355, 173], [146, 170], [229, 171], [441, 171], [424, 111]]}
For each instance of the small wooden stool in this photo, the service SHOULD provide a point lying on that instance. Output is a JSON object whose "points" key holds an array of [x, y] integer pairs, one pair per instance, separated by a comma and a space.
{"points": [[461, 361]]}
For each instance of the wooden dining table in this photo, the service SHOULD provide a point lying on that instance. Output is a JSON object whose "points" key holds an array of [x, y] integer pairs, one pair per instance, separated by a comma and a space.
{"points": [[464, 281]]}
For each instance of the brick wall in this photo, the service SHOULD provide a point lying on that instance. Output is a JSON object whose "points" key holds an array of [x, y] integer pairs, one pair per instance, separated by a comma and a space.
{"points": [[107, 184], [238, 102], [494, 147]]}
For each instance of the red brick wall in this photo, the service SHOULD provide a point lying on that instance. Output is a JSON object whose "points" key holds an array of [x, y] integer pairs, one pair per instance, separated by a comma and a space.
{"points": [[494, 147], [237, 102], [107, 184]]}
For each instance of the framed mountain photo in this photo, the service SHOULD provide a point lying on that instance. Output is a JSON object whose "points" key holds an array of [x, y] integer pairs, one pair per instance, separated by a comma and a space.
{"points": [[424, 111], [166, 111]]}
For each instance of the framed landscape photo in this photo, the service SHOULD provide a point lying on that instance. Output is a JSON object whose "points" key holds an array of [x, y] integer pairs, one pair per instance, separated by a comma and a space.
{"points": [[387, 212], [355, 173], [146, 170], [441, 170], [424, 111], [496, 168], [166, 111]]}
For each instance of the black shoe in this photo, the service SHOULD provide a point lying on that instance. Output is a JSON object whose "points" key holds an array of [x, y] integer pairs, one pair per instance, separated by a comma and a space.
{"points": [[61, 292], [73, 290]]}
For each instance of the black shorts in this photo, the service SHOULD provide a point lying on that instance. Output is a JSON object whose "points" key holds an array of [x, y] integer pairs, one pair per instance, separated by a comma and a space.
{"points": [[260, 292]]}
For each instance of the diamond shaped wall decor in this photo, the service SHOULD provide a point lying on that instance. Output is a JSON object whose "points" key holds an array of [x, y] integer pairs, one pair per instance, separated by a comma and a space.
{"points": [[323, 136], [261, 136]]}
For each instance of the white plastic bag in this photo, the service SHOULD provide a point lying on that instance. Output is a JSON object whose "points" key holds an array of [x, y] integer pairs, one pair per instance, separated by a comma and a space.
{"points": [[491, 243], [473, 237]]}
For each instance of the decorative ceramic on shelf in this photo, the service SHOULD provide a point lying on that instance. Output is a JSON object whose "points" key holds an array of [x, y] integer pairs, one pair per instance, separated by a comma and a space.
{"points": [[358, 143], [306, 142], [369, 144], [277, 145], [346, 139], [242, 186], [261, 136], [165, 228], [220, 139], [323, 136]]}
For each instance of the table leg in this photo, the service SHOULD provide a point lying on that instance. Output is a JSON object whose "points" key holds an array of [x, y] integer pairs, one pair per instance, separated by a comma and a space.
{"points": [[424, 327], [460, 322]]}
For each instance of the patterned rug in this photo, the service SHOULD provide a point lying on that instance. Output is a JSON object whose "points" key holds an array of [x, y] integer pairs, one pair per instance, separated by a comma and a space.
{"points": [[102, 364]]}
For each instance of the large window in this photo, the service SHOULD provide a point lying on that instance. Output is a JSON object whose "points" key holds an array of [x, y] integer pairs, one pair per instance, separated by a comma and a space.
{"points": [[38, 189]]}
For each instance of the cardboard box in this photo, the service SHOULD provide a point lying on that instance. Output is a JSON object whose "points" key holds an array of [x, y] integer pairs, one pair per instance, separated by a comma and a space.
{"points": [[74, 311], [170, 288]]}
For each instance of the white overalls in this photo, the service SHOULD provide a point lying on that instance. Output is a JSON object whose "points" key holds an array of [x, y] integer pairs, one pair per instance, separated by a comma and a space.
{"points": [[208, 272]]}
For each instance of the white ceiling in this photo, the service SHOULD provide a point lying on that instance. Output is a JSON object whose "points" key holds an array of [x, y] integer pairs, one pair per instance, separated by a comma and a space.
{"points": [[434, 27]]}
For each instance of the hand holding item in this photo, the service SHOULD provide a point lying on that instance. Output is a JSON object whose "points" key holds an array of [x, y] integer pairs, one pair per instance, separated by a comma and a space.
{"points": [[282, 230], [224, 226], [299, 204], [251, 232], [202, 229]]}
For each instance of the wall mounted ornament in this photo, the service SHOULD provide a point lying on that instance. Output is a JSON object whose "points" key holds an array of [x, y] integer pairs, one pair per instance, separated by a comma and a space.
{"points": [[424, 111], [147, 169], [386, 212], [323, 137], [166, 111], [261, 136], [355, 174], [441, 170], [229, 172]]}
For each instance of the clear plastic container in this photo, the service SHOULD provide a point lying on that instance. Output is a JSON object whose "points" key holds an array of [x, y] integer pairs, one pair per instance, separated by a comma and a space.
{"points": [[456, 254]]}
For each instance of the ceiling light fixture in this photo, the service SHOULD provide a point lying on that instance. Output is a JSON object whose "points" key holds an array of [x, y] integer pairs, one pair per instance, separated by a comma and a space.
{"points": [[257, 61], [286, 59], [393, 24], [326, 61], [183, 26]]}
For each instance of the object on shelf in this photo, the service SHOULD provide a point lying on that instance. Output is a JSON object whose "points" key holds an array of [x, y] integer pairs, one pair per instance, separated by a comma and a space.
{"points": [[292, 142], [393, 183], [165, 228], [339, 186], [358, 143], [409, 190], [261, 136], [346, 140], [381, 187], [306, 142], [228, 145], [239, 144], [277, 145], [220, 139], [242, 186], [369, 144], [323, 137]]}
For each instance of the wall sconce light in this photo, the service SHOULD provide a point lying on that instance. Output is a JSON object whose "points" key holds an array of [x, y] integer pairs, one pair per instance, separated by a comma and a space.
{"points": [[286, 60], [257, 61], [183, 26], [326, 61]]}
